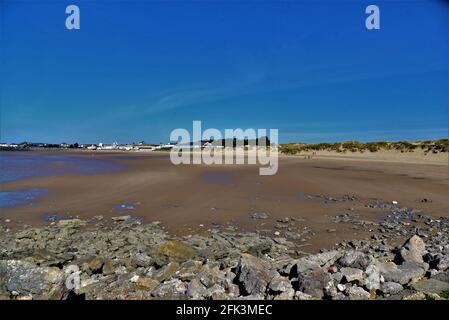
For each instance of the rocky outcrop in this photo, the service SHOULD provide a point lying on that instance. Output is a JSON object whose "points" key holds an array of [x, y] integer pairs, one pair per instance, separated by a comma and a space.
{"points": [[125, 259]]}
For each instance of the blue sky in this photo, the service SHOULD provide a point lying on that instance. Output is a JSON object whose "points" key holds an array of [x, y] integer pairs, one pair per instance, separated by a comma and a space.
{"points": [[137, 70]]}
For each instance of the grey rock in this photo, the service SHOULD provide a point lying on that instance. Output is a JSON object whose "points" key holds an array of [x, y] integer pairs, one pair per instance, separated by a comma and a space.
{"points": [[325, 258], [259, 215], [372, 278], [28, 279], [404, 273], [391, 288], [171, 289], [279, 284], [430, 286], [442, 262], [412, 250], [442, 276], [253, 274], [352, 274], [143, 260], [357, 293], [314, 282], [196, 290], [355, 259]]}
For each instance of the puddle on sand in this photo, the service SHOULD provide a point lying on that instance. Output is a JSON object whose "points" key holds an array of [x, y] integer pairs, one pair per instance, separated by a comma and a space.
{"points": [[20, 197], [223, 178], [125, 206], [303, 196], [50, 217]]}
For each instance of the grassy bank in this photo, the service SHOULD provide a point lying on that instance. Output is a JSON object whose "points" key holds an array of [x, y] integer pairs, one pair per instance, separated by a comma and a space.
{"points": [[428, 146]]}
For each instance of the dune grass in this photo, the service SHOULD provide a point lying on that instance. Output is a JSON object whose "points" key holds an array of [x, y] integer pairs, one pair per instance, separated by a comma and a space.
{"points": [[432, 146]]}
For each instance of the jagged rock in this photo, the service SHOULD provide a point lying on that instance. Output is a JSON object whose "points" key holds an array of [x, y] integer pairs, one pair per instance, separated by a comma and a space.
{"points": [[209, 276], [96, 264], [430, 286], [121, 218], [391, 288], [26, 279], [414, 296], [372, 279], [71, 223], [166, 272], [143, 260], [253, 274], [260, 249], [352, 274], [285, 295], [176, 251], [442, 262], [442, 276], [314, 282], [108, 268], [355, 259], [174, 288], [303, 296], [404, 273], [357, 293], [196, 289], [259, 215], [412, 250], [325, 258], [147, 283], [279, 283]]}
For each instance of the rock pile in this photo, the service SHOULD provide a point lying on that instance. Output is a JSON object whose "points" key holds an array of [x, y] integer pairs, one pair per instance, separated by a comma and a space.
{"points": [[125, 259]]}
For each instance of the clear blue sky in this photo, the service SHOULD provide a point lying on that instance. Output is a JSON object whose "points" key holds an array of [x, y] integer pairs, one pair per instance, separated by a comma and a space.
{"points": [[136, 70]]}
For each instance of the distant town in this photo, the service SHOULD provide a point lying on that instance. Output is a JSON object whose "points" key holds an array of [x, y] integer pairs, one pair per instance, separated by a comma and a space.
{"points": [[141, 146]]}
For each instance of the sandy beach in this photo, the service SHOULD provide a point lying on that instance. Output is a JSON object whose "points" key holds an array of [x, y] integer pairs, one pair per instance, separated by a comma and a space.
{"points": [[191, 199]]}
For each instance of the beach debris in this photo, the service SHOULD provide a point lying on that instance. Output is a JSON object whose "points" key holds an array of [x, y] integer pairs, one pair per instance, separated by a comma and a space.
{"points": [[259, 215], [394, 202], [121, 218]]}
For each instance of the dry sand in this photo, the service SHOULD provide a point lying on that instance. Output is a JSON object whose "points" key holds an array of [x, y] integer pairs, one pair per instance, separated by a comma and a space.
{"points": [[187, 196]]}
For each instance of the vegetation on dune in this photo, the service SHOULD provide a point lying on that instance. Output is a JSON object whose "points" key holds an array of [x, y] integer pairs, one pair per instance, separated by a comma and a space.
{"points": [[433, 146], [445, 294]]}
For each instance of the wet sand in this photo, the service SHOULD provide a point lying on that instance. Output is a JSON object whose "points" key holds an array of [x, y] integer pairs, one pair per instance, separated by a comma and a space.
{"points": [[187, 196]]}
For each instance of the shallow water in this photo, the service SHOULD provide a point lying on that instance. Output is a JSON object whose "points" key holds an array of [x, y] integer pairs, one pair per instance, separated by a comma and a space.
{"points": [[215, 177], [20, 197], [15, 166], [23, 165]]}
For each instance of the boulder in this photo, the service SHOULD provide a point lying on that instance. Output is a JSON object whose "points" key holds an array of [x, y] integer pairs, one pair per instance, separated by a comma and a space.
{"points": [[412, 250], [357, 293], [253, 274], [147, 283], [390, 288], [327, 258], [165, 273], [96, 264], [314, 282], [176, 250], [355, 259], [352, 274], [143, 260], [27, 279], [404, 273], [172, 289], [196, 290], [372, 277], [442, 262], [71, 223], [279, 283], [431, 286]]}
